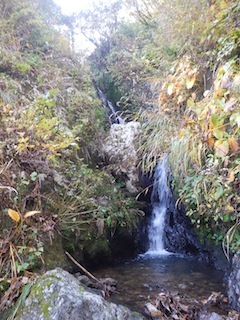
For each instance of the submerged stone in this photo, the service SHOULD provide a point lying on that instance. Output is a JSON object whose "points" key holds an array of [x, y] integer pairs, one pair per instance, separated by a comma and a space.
{"points": [[59, 295]]}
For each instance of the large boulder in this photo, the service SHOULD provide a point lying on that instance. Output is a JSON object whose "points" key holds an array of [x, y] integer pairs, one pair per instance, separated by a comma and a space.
{"points": [[58, 295], [234, 283], [120, 148]]}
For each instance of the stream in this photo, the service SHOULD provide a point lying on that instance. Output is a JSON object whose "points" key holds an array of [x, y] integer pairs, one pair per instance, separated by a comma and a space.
{"points": [[143, 278], [158, 270]]}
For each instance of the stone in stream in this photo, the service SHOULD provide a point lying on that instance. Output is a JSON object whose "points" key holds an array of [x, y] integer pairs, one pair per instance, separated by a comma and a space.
{"points": [[58, 295]]}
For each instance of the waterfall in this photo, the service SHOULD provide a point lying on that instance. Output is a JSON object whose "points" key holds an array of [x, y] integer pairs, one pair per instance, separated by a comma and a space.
{"points": [[160, 200], [113, 116]]}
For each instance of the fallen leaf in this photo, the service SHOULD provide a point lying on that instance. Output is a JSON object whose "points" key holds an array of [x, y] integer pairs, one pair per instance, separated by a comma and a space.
{"points": [[14, 215], [30, 213]]}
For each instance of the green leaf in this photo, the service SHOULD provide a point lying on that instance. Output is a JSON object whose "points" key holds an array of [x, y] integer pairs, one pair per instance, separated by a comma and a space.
{"points": [[219, 192], [235, 119], [214, 119], [218, 133]]}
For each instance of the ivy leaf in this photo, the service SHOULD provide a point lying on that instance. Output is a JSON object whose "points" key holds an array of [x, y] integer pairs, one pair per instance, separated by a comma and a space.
{"points": [[14, 215]]}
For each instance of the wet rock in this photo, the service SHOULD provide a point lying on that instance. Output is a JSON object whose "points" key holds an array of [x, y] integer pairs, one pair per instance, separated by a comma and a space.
{"points": [[59, 295], [179, 235], [83, 279], [234, 283]]}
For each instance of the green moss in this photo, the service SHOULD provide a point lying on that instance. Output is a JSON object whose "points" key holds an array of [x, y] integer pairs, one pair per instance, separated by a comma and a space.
{"points": [[81, 289], [45, 308]]}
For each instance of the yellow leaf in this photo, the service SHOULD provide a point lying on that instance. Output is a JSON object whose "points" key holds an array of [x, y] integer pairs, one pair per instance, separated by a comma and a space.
{"points": [[14, 215], [222, 147], [223, 5], [231, 176], [218, 133], [170, 89], [190, 82], [30, 213], [233, 144]]}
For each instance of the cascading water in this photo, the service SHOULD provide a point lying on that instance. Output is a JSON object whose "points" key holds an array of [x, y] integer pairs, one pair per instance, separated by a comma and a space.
{"points": [[160, 200], [113, 116]]}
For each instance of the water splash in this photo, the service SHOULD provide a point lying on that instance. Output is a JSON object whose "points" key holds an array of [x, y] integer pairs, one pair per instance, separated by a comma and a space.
{"points": [[160, 200]]}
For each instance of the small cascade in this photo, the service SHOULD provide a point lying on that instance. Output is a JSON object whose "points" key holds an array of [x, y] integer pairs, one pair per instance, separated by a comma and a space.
{"points": [[113, 116], [160, 198]]}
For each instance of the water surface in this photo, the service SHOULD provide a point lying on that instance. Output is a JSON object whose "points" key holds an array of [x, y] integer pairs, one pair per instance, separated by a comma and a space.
{"points": [[143, 278]]}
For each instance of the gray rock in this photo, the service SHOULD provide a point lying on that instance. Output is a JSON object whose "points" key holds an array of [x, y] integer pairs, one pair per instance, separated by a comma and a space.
{"points": [[58, 295], [234, 283], [209, 316], [120, 147]]}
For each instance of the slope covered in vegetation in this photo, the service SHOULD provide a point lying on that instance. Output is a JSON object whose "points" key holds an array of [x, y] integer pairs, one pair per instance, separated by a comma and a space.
{"points": [[51, 126]]}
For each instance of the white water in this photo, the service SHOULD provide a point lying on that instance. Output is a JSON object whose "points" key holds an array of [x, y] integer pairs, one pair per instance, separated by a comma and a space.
{"points": [[114, 117], [160, 196]]}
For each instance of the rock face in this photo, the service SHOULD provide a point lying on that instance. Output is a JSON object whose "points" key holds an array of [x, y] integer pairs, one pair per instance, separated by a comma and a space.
{"points": [[234, 283], [121, 150], [179, 234], [58, 295]]}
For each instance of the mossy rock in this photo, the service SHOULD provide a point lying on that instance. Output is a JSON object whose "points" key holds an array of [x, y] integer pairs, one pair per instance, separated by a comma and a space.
{"points": [[59, 295]]}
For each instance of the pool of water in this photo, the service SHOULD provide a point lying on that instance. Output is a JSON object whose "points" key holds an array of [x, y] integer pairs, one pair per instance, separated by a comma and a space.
{"points": [[144, 277]]}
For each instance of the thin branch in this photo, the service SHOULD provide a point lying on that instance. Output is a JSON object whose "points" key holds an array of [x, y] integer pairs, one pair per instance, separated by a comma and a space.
{"points": [[84, 270]]}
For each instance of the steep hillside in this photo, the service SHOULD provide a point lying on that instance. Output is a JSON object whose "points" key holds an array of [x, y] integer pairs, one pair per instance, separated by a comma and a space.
{"points": [[52, 176]]}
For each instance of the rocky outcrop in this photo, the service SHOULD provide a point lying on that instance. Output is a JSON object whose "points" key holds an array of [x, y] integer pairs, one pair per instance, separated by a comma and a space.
{"points": [[121, 150], [234, 283], [59, 295]]}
